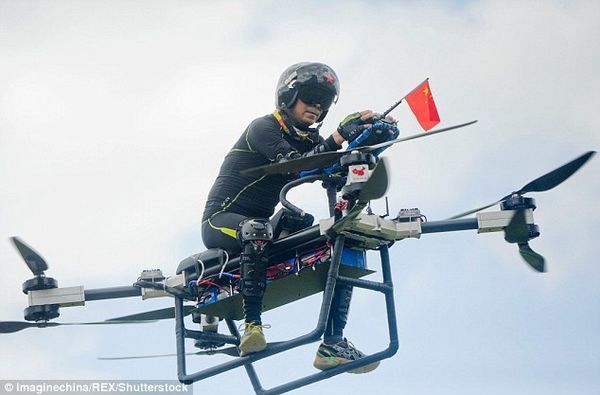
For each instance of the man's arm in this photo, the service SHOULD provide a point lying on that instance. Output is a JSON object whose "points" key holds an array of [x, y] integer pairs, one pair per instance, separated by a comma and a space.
{"points": [[267, 139]]}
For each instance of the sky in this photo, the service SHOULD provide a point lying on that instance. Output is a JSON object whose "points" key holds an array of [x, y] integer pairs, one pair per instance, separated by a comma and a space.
{"points": [[115, 116]]}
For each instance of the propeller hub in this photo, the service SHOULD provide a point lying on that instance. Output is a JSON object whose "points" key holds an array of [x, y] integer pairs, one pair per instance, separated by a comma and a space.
{"points": [[531, 232], [41, 313], [358, 158], [516, 202], [208, 344], [520, 232], [39, 282]]}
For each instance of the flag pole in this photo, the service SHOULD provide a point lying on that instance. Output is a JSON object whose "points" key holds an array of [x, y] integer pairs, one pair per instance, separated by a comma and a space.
{"points": [[386, 112]]}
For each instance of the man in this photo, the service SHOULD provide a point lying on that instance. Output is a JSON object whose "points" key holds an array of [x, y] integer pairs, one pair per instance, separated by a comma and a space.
{"points": [[238, 206]]}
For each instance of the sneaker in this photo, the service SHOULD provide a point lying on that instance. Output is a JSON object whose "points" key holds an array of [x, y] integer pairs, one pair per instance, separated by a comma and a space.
{"points": [[253, 339], [332, 355]]}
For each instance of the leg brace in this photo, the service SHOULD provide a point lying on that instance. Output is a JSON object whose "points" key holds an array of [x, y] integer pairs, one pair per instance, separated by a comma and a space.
{"points": [[255, 236]]}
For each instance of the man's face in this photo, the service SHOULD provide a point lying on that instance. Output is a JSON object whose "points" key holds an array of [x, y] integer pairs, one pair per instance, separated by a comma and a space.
{"points": [[305, 114]]}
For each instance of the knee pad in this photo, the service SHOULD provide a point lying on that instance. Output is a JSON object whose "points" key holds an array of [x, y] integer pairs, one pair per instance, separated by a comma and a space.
{"points": [[255, 230], [255, 235]]}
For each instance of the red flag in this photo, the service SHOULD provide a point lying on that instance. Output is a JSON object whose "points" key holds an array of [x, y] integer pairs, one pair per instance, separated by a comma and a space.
{"points": [[422, 105]]}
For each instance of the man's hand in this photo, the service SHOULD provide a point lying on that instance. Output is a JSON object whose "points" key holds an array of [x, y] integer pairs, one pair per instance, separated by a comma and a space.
{"points": [[354, 124], [289, 156]]}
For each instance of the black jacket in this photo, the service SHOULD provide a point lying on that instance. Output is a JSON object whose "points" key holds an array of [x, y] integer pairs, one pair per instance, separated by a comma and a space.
{"points": [[264, 141]]}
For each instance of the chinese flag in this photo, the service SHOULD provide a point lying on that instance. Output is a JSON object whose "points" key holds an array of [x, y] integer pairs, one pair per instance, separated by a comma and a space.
{"points": [[422, 105]]}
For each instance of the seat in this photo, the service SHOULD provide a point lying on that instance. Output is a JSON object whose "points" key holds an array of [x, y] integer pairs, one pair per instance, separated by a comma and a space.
{"points": [[284, 222], [210, 258]]}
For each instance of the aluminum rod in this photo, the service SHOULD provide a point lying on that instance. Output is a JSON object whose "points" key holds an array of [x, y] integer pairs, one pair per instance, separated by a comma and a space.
{"points": [[112, 293], [211, 336], [180, 341], [449, 225], [292, 184], [387, 353], [366, 284], [310, 337], [254, 380], [386, 288]]}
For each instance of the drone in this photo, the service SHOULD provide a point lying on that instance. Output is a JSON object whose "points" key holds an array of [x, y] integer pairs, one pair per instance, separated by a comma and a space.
{"points": [[303, 260]]}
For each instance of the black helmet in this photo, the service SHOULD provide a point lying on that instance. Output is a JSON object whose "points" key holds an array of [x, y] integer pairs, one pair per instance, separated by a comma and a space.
{"points": [[313, 83]]}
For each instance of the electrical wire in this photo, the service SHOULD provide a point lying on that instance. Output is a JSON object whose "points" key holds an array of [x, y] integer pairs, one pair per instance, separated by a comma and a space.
{"points": [[225, 264], [198, 260], [209, 282], [231, 275]]}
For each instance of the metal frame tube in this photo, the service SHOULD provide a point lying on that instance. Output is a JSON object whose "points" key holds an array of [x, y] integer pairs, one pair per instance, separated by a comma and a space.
{"points": [[292, 184], [387, 353], [332, 277], [211, 336], [449, 225], [301, 340], [112, 293]]}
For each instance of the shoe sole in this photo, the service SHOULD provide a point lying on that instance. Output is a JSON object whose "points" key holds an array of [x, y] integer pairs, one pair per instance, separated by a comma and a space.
{"points": [[332, 362], [254, 342]]}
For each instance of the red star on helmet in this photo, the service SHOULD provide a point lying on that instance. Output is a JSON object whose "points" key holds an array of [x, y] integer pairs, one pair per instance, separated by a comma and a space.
{"points": [[329, 79]]}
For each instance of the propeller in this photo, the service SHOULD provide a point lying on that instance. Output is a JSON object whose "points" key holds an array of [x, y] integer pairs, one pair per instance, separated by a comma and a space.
{"points": [[154, 315], [15, 326], [33, 260], [231, 351], [377, 184], [543, 183], [327, 159], [517, 231], [535, 260], [374, 188]]}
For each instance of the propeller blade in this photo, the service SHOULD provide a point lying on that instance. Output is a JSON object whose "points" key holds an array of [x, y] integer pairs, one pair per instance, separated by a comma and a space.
{"points": [[543, 183], [15, 326], [358, 207], [326, 159], [475, 210], [557, 176], [107, 322], [414, 136], [377, 184], [517, 230], [153, 315], [535, 260], [33, 260], [141, 356], [231, 351], [374, 188], [317, 161]]}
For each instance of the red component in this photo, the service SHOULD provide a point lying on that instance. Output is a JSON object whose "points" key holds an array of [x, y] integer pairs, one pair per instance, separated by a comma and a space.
{"points": [[360, 172], [341, 205], [329, 79]]}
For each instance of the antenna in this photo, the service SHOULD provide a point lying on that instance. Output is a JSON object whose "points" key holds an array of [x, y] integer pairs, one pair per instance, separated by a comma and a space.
{"points": [[387, 208]]}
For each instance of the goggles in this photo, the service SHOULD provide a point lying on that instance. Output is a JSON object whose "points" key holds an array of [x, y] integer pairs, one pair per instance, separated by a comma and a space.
{"points": [[316, 95]]}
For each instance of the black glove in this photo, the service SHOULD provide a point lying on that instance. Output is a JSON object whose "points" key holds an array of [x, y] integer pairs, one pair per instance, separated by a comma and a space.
{"points": [[289, 156], [351, 127]]}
